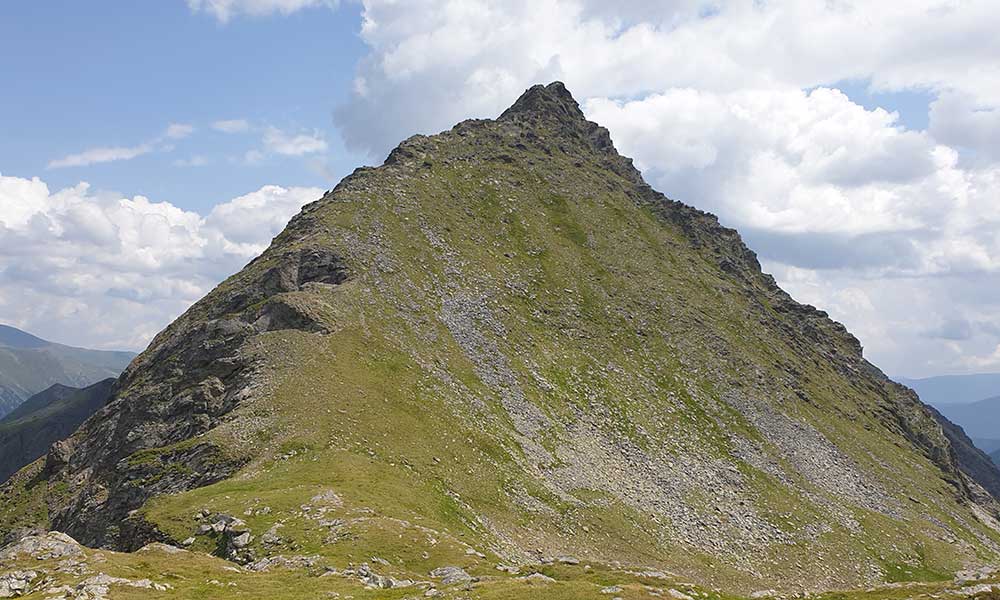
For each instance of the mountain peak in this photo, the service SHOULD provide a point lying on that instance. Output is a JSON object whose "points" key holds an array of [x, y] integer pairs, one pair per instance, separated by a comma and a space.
{"points": [[552, 100], [551, 109], [505, 334], [15, 338]]}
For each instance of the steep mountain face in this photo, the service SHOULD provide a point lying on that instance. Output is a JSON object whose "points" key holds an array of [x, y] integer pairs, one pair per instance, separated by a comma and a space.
{"points": [[974, 462], [27, 432], [29, 365], [503, 346]]}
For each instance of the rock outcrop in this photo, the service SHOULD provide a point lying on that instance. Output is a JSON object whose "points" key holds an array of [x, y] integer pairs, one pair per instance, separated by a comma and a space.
{"points": [[974, 463]]}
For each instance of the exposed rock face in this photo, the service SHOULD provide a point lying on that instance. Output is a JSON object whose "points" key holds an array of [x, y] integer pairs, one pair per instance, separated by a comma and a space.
{"points": [[975, 463], [192, 375], [16, 583], [555, 359], [51, 545]]}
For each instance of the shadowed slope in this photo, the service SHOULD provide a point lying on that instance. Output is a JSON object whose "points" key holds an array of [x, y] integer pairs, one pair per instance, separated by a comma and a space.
{"points": [[47, 417]]}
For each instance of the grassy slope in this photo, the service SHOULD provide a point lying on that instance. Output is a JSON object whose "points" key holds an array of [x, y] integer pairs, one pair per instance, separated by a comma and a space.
{"points": [[475, 282], [196, 576], [369, 421]]}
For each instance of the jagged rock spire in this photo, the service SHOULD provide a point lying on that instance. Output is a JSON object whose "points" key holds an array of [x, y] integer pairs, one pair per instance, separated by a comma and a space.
{"points": [[552, 100]]}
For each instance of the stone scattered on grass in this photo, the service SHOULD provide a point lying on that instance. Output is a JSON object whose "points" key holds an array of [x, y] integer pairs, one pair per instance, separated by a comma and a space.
{"points": [[16, 583], [539, 578], [451, 575]]}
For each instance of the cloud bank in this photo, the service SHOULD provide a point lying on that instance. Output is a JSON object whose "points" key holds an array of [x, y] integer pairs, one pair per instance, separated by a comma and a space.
{"points": [[115, 270]]}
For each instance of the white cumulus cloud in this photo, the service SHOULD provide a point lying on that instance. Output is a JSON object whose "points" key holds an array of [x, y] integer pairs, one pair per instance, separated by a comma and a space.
{"points": [[114, 270], [434, 63], [959, 120]]}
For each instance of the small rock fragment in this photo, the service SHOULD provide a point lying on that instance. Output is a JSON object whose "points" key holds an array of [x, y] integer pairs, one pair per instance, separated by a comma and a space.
{"points": [[450, 575]]}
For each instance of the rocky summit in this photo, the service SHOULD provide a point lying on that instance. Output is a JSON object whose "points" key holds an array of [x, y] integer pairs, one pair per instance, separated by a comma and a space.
{"points": [[501, 365]]}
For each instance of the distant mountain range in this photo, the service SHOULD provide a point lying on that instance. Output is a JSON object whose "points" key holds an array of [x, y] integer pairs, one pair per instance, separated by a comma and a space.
{"points": [[49, 416], [981, 420], [29, 365], [954, 389]]}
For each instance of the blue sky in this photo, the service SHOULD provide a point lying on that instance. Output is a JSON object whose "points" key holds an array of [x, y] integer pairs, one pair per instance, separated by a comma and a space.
{"points": [[912, 105], [119, 75], [149, 149]]}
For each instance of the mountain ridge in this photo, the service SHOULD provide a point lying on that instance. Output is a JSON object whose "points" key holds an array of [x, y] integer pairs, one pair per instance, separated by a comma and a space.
{"points": [[29, 365], [504, 336], [16, 338], [943, 390], [973, 461], [27, 432], [980, 419]]}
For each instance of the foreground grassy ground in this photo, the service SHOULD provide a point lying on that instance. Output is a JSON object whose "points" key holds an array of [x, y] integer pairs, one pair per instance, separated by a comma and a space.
{"points": [[165, 572]]}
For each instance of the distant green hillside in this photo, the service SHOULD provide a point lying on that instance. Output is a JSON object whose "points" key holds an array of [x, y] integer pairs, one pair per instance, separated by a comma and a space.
{"points": [[29, 364], [49, 416]]}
